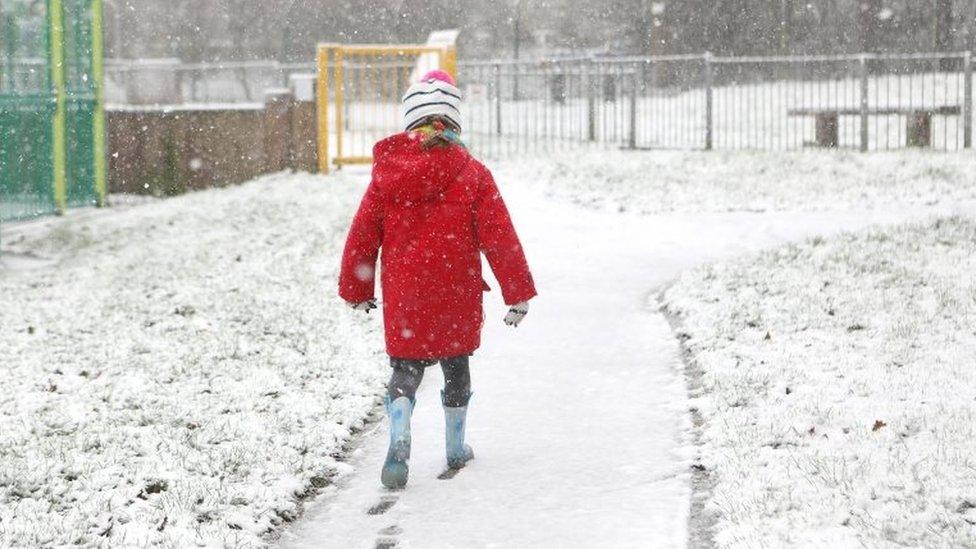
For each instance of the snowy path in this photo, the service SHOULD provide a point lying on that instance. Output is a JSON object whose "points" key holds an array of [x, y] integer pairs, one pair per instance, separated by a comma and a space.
{"points": [[579, 418]]}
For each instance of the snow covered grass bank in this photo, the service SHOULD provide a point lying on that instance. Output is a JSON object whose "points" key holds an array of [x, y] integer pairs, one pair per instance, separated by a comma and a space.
{"points": [[684, 182], [837, 388], [179, 372]]}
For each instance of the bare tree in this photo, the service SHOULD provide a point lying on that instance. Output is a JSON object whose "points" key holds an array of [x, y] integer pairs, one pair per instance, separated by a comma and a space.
{"points": [[289, 29], [868, 21], [944, 31]]}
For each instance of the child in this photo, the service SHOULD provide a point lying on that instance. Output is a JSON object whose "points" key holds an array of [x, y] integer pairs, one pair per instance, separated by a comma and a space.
{"points": [[433, 209]]}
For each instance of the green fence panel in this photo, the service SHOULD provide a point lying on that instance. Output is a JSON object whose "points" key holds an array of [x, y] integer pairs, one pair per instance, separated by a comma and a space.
{"points": [[80, 84], [28, 107], [26, 168], [80, 167], [26, 111]]}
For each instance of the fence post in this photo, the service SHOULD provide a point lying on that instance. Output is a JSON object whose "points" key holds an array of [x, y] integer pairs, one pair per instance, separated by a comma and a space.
{"points": [[100, 167], [60, 130], [709, 106], [590, 102], [967, 120], [322, 109], [633, 112], [863, 69], [498, 98], [277, 131]]}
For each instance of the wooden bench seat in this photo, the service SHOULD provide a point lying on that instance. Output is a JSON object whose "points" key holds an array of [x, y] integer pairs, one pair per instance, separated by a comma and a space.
{"points": [[918, 121]]}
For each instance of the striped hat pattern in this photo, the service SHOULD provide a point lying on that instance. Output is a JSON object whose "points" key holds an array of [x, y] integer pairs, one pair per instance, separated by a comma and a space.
{"points": [[435, 95]]}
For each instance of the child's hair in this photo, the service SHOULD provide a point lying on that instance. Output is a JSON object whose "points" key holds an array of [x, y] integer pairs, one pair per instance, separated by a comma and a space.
{"points": [[438, 132]]}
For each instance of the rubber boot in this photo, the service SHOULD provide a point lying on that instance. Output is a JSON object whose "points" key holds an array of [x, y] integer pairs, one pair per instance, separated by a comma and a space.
{"points": [[458, 453], [395, 469]]}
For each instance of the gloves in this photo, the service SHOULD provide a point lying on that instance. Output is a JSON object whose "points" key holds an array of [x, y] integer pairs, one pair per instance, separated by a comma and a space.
{"points": [[365, 306], [517, 314]]}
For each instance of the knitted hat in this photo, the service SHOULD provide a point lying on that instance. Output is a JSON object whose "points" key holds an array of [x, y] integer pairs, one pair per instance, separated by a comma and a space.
{"points": [[435, 95]]}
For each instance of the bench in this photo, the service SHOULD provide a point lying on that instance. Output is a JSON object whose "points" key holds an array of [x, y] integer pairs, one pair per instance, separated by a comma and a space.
{"points": [[918, 122]]}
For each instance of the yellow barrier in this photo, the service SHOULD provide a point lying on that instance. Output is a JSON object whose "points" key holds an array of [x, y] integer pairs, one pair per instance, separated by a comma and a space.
{"points": [[359, 92]]}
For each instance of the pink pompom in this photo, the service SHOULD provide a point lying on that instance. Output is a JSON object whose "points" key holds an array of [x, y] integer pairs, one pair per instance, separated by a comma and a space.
{"points": [[439, 75]]}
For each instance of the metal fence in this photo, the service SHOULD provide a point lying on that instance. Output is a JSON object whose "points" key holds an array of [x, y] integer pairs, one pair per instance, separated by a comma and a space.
{"points": [[359, 91], [863, 102], [172, 82]]}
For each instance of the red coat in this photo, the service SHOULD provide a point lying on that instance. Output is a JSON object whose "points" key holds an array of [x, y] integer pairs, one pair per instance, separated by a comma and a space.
{"points": [[433, 212]]}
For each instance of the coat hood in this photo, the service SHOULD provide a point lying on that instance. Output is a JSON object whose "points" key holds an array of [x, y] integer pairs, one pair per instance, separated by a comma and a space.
{"points": [[409, 174]]}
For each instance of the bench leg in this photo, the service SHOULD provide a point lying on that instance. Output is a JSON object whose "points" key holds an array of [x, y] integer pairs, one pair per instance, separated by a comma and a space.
{"points": [[919, 129], [827, 130]]}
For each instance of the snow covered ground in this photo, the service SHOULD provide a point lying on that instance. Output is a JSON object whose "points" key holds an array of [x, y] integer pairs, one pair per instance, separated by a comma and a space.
{"points": [[836, 388], [181, 372], [579, 419], [688, 182]]}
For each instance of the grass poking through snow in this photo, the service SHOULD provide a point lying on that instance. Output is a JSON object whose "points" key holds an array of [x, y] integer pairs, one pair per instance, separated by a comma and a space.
{"points": [[838, 388]]}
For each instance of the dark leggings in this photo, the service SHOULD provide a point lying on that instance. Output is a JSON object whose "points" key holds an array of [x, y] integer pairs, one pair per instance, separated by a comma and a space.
{"points": [[408, 373]]}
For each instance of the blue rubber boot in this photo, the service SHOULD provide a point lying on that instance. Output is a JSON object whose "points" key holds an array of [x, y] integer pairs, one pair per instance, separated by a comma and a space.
{"points": [[395, 469], [458, 453]]}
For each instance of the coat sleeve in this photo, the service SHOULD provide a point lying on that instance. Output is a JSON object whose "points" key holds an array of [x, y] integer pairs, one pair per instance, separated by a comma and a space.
{"points": [[358, 274], [500, 244]]}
